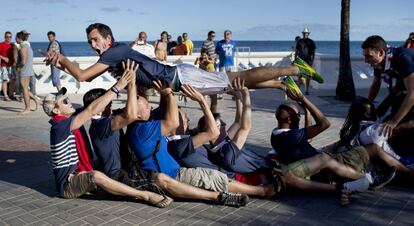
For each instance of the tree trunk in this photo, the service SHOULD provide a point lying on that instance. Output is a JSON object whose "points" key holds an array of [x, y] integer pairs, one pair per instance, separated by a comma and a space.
{"points": [[345, 89]]}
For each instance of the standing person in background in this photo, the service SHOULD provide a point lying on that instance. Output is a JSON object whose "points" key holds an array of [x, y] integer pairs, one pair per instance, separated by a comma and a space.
{"points": [[161, 47], [7, 61], [409, 43], [25, 67], [181, 48], [54, 48], [188, 43], [170, 45], [226, 50], [206, 63], [305, 49], [140, 45], [209, 45]]}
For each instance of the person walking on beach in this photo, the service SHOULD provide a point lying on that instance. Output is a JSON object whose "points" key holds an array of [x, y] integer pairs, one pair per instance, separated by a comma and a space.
{"points": [[161, 47], [54, 48], [111, 54], [7, 62], [226, 50], [25, 68], [305, 49]]}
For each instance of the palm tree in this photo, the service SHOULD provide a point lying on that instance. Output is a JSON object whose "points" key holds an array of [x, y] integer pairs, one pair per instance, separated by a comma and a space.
{"points": [[345, 89]]}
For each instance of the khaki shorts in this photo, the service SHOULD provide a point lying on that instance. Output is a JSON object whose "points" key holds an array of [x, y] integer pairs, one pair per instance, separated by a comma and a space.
{"points": [[205, 178], [79, 184], [357, 158], [299, 168]]}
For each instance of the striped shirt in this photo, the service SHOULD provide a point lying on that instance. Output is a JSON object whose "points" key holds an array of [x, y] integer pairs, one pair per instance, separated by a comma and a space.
{"points": [[211, 48], [63, 151]]}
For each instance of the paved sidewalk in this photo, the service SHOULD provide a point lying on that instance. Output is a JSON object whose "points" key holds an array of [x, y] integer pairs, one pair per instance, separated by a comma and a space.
{"points": [[27, 195]]}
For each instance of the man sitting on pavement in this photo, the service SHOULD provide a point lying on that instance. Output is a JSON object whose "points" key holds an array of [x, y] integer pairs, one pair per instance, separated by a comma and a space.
{"points": [[70, 150]]}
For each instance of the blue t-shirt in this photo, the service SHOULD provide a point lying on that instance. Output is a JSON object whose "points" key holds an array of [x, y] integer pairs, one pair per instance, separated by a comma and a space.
{"points": [[143, 137], [148, 70], [106, 144], [292, 145], [63, 152], [226, 52]]}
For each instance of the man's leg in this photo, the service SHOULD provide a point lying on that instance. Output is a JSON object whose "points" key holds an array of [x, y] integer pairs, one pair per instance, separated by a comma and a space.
{"points": [[258, 75], [265, 191], [376, 151]]}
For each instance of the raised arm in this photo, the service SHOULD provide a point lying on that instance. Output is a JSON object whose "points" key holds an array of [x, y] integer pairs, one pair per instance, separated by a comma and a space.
{"points": [[131, 110], [212, 131], [99, 104], [170, 121], [246, 118], [88, 74], [232, 130]]}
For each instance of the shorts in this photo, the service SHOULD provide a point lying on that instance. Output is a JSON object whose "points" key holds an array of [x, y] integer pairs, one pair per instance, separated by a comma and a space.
{"points": [[55, 74], [205, 178], [299, 168], [5, 73], [357, 158], [228, 69], [206, 82], [79, 184]]}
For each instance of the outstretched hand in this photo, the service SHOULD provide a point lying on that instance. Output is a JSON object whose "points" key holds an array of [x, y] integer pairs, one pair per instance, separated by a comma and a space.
{"points": [[54, 59], [161, 87], [128, 75], [192, 93], [130, 66]]}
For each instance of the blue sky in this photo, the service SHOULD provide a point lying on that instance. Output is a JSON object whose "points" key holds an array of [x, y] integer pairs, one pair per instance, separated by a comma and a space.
{"points": [[248, 19]]}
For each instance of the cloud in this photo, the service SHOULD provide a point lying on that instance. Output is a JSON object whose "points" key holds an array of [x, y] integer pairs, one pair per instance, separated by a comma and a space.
{"points": [[48, 1], [111, 9], [74, 6], [408, 19], [16, 19], [130, 10]]}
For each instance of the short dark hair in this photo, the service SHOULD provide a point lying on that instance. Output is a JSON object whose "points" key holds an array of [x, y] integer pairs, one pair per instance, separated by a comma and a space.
{"points": [[51, 33], [19, 35], [202, 126], [375, 42], [92, 95], [210, 33], [164, 32], [103, 29], [7, 32], [204, 50]]}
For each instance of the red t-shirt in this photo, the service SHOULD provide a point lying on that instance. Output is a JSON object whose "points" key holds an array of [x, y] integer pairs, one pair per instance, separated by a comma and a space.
{"points": [[6, 50]]}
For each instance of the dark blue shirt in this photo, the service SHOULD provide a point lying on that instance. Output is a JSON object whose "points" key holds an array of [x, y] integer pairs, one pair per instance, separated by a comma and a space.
{"points": [[292, 145], [106, 144], [143, 137], [148, 70]]}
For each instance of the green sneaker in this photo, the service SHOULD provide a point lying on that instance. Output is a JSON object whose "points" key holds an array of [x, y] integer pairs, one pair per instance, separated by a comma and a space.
{"points": [[307, 71], [291, 86]]}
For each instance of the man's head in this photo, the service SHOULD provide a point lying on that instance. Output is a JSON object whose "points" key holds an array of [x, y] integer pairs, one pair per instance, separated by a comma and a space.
{"points": [[164, 36], [144, 109], [179, 40], [25, 35], [51, 36], [7, 36], [374, 50], [94, 94], [19, 37], [170, 38], [142, 36], [305, 32], [100, 37], [204, 54], [288, 116], [221, 125], [227, 35], [57, 105], [185, 36], [211, 35]]}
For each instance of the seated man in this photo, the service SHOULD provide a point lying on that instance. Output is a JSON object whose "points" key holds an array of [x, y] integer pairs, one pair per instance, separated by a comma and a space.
{"points": [[112, 53], [70, 150], [291, 143], [107, 139], [148, 141]]}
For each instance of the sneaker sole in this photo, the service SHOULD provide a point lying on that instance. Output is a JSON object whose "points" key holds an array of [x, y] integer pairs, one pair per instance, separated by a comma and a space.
{"points": [[301, 64]]}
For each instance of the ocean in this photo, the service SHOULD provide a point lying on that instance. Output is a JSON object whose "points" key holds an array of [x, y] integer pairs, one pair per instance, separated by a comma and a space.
{"points": [[323, 47]]}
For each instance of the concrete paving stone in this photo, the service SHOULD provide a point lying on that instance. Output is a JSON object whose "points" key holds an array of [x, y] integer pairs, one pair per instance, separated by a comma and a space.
{"points": [[126, 224], [76, 223], [16, 221], [67, 217], [28, 218], [123, 210], [144, 213], [152, 222], [200, 207], [188, 221], [133, 219], [114, 222], [11, 212], [227, 219], [91, 219], [54, 220]]}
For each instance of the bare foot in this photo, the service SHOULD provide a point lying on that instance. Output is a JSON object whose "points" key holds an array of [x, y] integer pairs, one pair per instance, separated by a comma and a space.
{"points": [[24, 112], [160, 201]]}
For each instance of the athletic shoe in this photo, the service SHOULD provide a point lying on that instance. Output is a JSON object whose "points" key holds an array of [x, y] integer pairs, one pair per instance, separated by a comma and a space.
{"points": [[292, 86], [359, 185], [380, 179], [233, 199], [307, 71]]}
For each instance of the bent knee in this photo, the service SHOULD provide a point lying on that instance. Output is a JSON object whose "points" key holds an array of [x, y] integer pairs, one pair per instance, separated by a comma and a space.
{"points": [[163, 180]]}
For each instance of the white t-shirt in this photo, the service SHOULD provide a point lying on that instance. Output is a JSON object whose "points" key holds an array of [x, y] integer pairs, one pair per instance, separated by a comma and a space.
{"points": [[146, 49]]}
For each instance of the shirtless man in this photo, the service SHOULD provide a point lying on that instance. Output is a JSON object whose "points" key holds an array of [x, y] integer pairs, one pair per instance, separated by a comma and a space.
{"points": [[161, 47], [113, 53]]}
